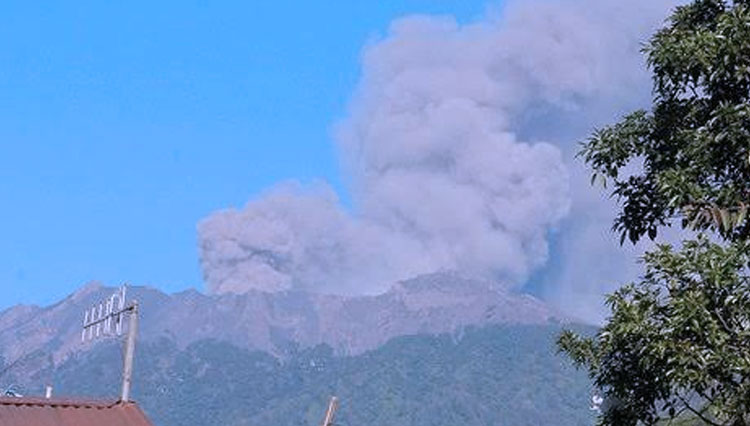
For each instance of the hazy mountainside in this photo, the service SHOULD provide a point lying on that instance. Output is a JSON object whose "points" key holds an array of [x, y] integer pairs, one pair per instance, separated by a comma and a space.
{"points": [[438, 349], [495, 375], [276, 322]]}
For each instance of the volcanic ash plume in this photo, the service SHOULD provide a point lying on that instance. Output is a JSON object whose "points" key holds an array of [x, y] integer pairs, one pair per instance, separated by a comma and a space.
{"points": [[295, 237], [439, 177], [439, 181]]}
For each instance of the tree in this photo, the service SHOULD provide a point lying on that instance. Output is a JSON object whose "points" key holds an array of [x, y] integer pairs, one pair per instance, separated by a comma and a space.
{"points": [[678, 340]]}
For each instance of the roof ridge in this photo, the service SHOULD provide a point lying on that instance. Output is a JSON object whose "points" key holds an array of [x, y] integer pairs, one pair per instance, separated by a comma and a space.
{"points": [[60, 402]]}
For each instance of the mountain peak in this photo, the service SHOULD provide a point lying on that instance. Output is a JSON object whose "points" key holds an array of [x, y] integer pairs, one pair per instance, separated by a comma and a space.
{"points": [[87, 289], [451, 282]]}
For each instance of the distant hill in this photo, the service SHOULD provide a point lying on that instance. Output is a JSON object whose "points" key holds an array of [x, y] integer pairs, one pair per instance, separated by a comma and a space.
{"points": [[437, 349]]}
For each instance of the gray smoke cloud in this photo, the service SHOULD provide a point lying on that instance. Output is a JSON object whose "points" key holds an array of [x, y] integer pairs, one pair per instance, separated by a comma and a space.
{"points": [[588, 260], [458, 151]]}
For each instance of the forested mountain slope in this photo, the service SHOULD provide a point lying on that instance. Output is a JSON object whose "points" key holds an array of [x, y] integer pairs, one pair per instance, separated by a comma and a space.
{"points": [[493, 375]]}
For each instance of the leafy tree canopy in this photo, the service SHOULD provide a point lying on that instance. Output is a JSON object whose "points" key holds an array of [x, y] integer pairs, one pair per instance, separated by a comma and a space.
{"points": [[677, 344], [688, 156]]}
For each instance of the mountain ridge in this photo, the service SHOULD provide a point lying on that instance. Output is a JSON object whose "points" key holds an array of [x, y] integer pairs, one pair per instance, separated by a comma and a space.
{"points": [[277, 323]]}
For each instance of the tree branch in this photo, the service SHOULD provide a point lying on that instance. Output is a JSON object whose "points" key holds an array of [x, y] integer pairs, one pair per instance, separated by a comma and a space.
{"points": [[697, 413]]}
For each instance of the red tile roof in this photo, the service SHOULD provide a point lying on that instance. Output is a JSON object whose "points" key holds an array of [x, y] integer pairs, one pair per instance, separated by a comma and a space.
{"points": [[69, 412]]}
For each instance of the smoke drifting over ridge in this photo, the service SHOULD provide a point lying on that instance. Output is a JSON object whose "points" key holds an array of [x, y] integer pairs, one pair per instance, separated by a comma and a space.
{"points": [[443, 155]]}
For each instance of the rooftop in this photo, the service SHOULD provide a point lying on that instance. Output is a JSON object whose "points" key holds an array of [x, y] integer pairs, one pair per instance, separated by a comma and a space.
{"points": [[69, 412]]}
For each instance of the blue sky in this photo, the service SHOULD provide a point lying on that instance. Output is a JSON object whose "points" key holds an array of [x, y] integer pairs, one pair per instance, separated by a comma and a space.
{"points": [[123, 124]]}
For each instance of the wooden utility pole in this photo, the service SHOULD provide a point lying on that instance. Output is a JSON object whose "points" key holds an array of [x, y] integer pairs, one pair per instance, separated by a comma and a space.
{"points": [[333, 405]]}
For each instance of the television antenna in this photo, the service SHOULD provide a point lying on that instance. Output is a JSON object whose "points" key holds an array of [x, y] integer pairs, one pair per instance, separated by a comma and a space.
{"points": [[105, 319]]}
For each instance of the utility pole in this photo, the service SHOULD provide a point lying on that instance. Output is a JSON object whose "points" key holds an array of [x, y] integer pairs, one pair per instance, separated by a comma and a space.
{"points": [[127, 368], [333, 405], [105, 319]]}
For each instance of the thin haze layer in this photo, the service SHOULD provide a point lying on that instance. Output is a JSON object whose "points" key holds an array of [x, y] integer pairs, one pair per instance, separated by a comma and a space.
{"points": [[445, 155]]}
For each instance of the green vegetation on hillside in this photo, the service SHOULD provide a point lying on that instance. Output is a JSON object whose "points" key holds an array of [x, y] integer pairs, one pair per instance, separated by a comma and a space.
{"points": [[485, 376]]}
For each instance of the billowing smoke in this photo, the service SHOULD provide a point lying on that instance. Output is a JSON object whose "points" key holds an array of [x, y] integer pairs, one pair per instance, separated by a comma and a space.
{"points": [[297, 237], [444, 150], [587, 260]]}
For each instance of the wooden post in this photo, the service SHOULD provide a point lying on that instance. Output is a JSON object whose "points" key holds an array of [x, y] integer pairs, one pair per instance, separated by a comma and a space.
{"points": [[333, 405]]}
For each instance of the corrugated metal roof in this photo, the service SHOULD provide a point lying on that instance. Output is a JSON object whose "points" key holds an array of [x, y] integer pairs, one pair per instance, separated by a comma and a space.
{"points": [[69, 412]]}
